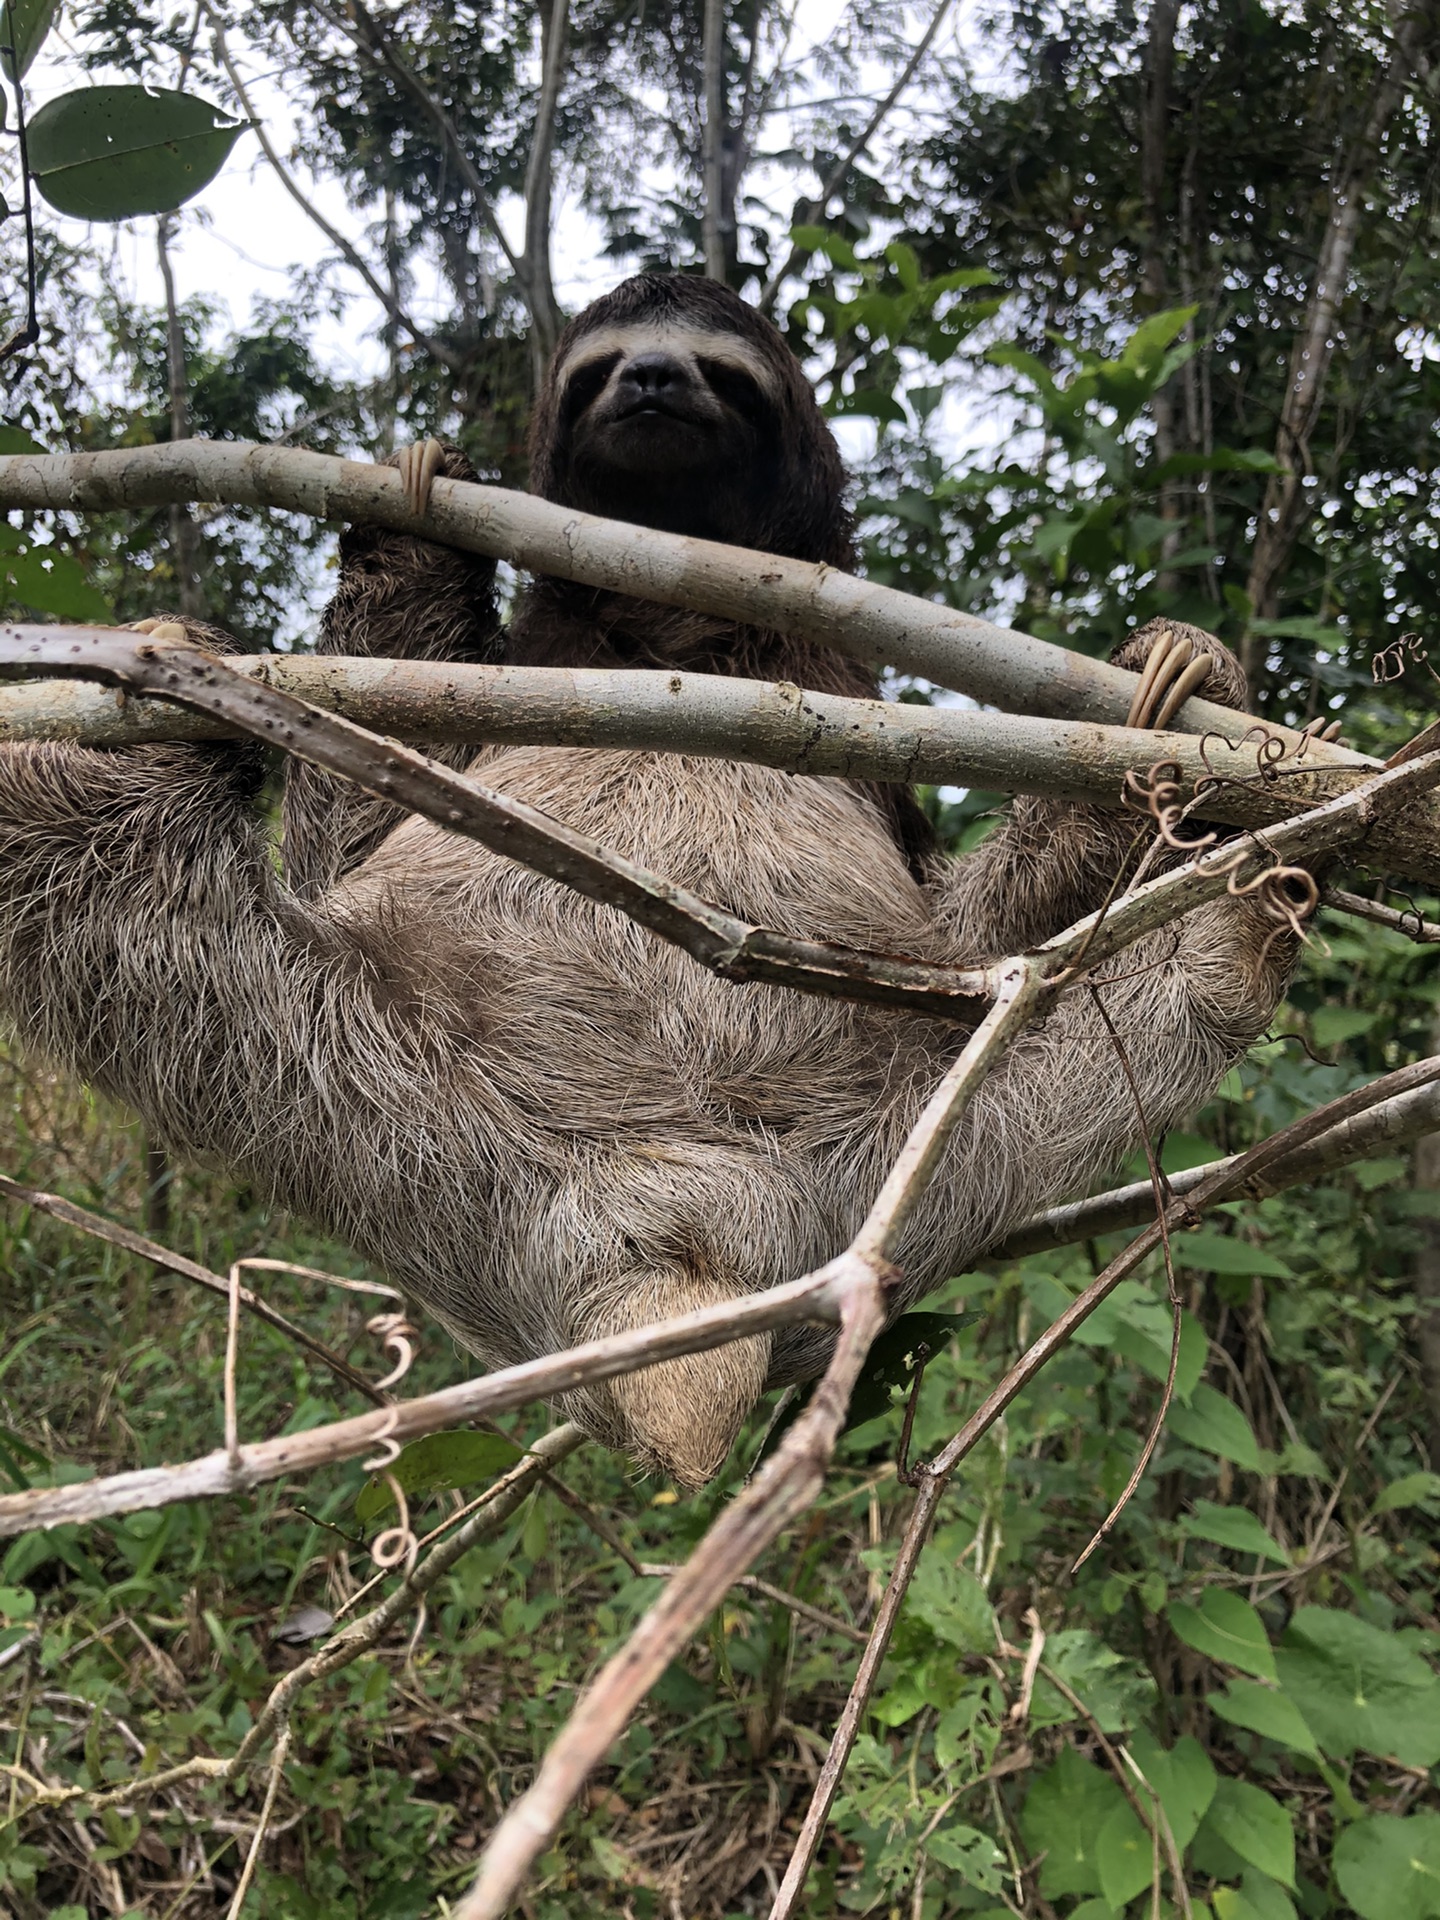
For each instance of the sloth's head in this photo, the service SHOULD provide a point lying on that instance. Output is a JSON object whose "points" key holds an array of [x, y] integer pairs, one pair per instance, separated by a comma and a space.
{"points": [[673, 404]]}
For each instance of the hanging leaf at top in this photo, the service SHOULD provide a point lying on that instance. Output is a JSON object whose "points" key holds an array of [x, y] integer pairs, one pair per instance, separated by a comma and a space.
{"points": [[110, 153], [23, 27]]}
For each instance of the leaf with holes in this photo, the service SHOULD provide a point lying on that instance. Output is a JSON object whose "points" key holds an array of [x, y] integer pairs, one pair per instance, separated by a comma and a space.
{"points": [[436, 1463], [110, 153]]}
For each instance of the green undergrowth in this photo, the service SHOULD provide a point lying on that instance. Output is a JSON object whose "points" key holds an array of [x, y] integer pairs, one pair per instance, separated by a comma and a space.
{"points": [[1241, 1679]]}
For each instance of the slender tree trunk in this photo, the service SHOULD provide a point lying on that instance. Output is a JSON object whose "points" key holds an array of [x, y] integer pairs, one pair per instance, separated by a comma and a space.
{"points": [[184, 536], [1426, 1180], [1154, 145], [1287, 502], [546, 319], [713, 150]]}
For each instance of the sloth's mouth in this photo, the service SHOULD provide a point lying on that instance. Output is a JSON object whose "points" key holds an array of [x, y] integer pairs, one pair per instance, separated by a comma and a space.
{"points": [[656, 406]]}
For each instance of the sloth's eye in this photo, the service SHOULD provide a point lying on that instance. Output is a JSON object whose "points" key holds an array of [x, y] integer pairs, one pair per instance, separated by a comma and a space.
{"points": [[587, 383], [733, 387]]}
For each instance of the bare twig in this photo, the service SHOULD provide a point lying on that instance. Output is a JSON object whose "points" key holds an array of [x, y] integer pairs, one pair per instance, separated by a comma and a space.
{"points": [[1412, 923], [170, 1262], [835, 179], [252, 1859], [1390, 1123], [752, 1583]]}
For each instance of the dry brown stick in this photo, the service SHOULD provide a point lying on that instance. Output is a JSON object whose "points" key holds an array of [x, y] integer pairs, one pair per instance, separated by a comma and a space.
{"points": [[752, 1583], [1411, 922], [169, 1262], [815, 1297], [729, 946], [786, 1485], [1219, 1184], [1390, 1123]]}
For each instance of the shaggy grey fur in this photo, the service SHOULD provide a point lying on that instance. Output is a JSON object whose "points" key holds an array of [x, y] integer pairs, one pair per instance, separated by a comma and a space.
{"points": [[544, 1122]]}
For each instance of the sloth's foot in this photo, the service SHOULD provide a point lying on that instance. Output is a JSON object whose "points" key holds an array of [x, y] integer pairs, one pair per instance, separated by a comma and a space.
{"points": [[418, 464], [681, 1417], [1175, 661], [177, 626]]}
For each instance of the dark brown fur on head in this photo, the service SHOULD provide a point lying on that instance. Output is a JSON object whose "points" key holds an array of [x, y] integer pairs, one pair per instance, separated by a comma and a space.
{"points": [[673, 404]]}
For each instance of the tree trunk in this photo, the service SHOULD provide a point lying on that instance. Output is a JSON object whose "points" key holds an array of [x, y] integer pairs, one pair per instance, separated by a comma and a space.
{"points": [[1154, 132], [184, 536]]}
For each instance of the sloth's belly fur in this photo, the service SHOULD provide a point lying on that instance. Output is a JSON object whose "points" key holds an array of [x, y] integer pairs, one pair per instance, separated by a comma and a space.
{"points": [[614, 1111]]}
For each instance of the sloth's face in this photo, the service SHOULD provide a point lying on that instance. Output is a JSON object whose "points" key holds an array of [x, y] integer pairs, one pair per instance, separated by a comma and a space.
{"points": [[672, 427]]}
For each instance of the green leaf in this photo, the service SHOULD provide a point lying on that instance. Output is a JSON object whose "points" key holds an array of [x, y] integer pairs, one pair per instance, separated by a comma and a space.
{"points": [[1411, 1490], [24, 25], [1062, 1817], [1233, 1527], [48, 580], [1183, 1778], [1245, 1703], [1216, 1425], [16, 440], [110, 153], [973, 1855], [1219, 1253], [1360, 1687], [954, 1605], [1388, 1867], [1255, 1826], [1257, 1899], [1224, 1627], [457, 1458], [1125, 1856], [1329, 1026]]}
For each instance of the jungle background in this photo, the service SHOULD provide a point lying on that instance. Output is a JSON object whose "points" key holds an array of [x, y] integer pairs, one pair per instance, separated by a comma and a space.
{"points": [[1124, 311]]}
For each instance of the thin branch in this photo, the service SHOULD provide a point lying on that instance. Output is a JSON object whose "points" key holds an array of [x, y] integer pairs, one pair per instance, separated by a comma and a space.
{"points": [[446, 356], [752, 1583], [366, 33], [812, 1298], [252, 1858], [539, 185], [712, 140], [835, 179], [733, 948], [1411, 922], [169, 1262], [1219, 1184]]}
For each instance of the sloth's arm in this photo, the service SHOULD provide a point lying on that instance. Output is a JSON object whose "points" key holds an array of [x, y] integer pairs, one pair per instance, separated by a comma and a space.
{"points": [[1050, 862], [147, 945], [398, 598]]}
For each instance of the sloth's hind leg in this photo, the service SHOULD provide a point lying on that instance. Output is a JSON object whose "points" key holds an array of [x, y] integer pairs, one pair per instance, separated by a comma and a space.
{"points": [[681, 1417]]}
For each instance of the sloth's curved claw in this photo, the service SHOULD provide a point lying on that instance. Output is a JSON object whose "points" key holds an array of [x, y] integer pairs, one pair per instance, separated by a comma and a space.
{"points": [[1190, 681], [1171, 674], [418, 464]]}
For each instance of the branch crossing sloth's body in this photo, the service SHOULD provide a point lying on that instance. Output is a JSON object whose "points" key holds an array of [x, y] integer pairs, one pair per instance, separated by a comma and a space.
{"points": [[544, 1121]]}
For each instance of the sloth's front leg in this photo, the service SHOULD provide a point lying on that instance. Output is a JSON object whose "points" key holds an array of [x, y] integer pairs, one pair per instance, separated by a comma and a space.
{"points": [[399, 597], [1053, 861]]}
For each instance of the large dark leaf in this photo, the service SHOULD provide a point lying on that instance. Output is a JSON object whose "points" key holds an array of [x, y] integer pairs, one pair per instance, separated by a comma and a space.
{"points": [[23, 27], [109, 153]]}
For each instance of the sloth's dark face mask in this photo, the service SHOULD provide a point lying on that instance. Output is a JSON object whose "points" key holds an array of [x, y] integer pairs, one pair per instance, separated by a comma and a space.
{"points": [[669, 436]]}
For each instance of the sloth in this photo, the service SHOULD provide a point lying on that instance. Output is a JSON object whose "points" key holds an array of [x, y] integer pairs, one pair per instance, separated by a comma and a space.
{"points": [[544, 1122]]}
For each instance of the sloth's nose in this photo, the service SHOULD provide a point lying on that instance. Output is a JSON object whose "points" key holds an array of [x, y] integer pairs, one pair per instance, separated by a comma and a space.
{"points": [[652, 374]]}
